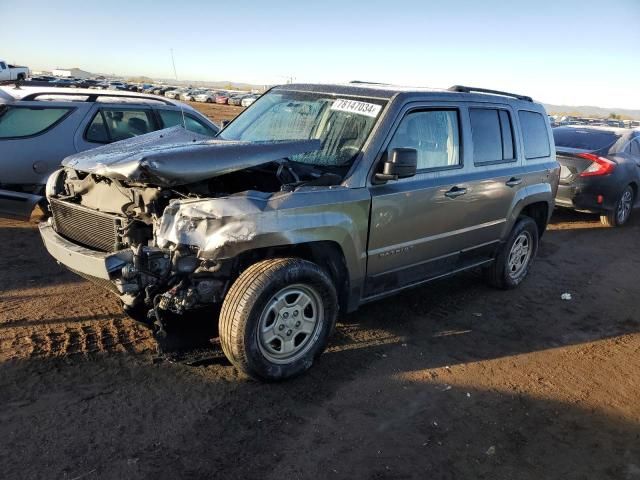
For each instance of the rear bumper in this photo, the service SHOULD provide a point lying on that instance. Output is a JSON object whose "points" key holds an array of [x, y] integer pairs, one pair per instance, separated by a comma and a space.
{"points": [[583, 196], [100, 265]]}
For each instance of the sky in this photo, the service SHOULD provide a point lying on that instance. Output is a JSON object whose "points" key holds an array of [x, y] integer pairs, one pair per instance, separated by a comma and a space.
{"points": [[561, 51]]}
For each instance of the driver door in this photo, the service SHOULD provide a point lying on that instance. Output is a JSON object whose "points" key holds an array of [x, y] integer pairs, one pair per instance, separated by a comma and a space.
{"points": [[419, 225]]}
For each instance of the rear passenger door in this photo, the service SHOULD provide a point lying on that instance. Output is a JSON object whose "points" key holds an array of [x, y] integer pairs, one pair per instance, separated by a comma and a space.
{"points": [[496, 179], [109, 124]]}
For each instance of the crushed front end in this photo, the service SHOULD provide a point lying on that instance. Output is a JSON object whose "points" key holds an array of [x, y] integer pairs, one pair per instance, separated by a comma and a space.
{"points": [[105, 231], [153, 219]]}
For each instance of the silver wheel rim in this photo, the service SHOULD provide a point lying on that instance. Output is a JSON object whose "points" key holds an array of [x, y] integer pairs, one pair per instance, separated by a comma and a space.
{"points": [[520, 254], [624, 206], [289, 324]]}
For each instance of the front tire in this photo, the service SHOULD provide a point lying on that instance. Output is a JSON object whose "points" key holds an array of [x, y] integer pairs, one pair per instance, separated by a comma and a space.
{"points": [[277, 318], [513, 262], [620, 215]]}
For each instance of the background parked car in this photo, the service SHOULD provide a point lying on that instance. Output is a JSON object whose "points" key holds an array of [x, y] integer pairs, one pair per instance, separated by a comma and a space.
{"points": [[64, 82], [117, 86], [43, 78], [163, 90], [248, 100], [41, 126], [190, 95], [236, 100], [600, 171], [86, 83], [175, 94], [222, 99], [207, 96]]}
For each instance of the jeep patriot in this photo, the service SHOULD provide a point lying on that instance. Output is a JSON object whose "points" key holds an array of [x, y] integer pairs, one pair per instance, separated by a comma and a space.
{"points": [[313, 201]]}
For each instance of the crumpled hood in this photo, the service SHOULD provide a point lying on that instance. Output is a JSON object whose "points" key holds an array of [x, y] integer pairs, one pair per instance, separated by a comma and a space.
{"points": [[175, 156]]}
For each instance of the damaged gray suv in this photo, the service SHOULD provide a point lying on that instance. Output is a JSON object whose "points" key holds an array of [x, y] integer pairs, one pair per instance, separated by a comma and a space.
{"points": [[315, 200]]}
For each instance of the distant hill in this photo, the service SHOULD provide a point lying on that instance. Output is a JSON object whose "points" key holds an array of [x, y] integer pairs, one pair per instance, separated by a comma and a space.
{"points": [[588, 111]]}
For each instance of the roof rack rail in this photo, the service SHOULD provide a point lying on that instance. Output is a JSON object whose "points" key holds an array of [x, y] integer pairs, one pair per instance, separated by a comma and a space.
{"points": [[92, 97], [368, 83], [463, 89]]}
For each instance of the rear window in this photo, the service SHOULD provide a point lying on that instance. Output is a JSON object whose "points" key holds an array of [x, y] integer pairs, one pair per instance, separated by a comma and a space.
{"points": [[584, 138], [534, 134], [17, 122]]}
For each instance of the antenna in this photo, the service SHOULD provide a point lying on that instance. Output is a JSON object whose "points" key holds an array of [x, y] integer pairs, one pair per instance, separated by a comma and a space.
{"points": [[175, 74]]}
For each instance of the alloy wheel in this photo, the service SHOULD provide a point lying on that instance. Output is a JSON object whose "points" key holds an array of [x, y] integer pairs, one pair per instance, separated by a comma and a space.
{"points": [[289, 323]]}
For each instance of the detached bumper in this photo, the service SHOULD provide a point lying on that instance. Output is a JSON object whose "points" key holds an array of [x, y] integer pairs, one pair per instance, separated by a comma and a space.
{"points": [[86, 262]]}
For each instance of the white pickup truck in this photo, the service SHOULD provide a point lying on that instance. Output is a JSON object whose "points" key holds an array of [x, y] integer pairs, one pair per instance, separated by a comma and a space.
{"points": [[12, 72]]}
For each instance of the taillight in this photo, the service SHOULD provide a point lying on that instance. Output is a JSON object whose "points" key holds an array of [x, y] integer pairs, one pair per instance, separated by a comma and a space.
{"points": [[599, 165]]}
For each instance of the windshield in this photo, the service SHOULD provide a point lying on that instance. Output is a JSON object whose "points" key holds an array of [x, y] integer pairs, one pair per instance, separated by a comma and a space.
{"points": [[341, 124]]}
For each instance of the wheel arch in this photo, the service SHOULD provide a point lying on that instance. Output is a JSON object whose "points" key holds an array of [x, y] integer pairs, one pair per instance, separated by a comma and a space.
{"points": [[634, 185], [327, 254], [539, 212]]}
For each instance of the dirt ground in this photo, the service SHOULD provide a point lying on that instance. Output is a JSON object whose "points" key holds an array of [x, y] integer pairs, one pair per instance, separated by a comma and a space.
{"points": [[453, 380], [216, 112]]}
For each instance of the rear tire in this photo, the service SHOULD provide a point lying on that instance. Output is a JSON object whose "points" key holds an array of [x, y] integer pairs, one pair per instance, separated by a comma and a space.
{"points": [[277, 318], [513, 262], [620, 215]]}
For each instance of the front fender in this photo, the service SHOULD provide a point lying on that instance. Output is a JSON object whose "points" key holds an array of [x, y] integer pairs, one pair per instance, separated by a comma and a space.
{"points": [[223, 228]]}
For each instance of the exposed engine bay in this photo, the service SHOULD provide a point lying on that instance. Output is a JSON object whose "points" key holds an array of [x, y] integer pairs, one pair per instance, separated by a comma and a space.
{"points": [[174, 235]]}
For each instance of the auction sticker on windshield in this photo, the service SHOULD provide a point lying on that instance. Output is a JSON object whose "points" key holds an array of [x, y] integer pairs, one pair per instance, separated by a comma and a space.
{"points": [[353, 106]]}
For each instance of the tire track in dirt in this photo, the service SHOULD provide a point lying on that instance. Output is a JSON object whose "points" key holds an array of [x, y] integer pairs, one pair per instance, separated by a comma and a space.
{"points": [[105, 336]]}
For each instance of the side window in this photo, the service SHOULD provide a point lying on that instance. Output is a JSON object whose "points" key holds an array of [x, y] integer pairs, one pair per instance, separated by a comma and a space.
{"points": [[492, 134], [97, 131], [171, 118], [634, 147], [435, 134], [17, 122], [111, 125], [534, 134], [3, 66]]}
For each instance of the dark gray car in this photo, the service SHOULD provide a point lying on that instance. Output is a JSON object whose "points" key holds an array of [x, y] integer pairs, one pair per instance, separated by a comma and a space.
{"points": [[600, 171], [313, 201]]}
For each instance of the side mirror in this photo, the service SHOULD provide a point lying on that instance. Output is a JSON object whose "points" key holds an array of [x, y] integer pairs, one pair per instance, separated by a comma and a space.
{"points": [[399, 163]]}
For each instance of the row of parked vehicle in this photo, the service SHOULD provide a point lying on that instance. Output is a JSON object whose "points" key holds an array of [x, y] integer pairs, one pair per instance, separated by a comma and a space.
{"points": [[559, 121], [316, 200], [222, 97], [185, 94]]}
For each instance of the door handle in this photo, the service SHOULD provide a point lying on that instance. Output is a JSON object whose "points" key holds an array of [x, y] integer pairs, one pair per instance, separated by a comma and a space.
{"points": [[455, 192], [513, 181]]}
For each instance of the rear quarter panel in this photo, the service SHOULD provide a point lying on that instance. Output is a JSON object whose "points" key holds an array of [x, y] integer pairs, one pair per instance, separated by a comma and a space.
{"points": [[541, 175]]}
